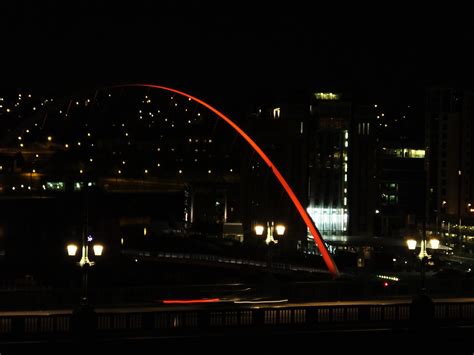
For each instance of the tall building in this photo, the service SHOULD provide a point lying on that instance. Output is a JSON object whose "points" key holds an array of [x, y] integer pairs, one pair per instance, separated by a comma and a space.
{"points": [[328, 162], [449, 116], [280, 130], [387, 170], [362, 180]]}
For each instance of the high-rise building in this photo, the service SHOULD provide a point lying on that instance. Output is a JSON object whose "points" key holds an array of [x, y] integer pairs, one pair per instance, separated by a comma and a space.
{"points": [[328, 162], [362, 180], [449, 116], [281, 131], [387, 170]]}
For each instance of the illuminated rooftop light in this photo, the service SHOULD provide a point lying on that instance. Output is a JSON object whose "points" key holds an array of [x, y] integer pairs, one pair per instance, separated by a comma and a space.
{"points": [[327, 96]]}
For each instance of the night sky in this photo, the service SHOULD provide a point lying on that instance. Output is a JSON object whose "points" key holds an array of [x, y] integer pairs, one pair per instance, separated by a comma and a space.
{"points": [[233, 53]]}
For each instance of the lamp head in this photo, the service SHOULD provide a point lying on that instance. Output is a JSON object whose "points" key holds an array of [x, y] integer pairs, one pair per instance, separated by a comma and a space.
{"points": [[411, 243], [71, 249]]}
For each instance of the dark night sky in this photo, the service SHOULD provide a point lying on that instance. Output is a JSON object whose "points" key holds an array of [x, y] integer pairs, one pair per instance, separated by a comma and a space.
{"points": [[238, 52]]}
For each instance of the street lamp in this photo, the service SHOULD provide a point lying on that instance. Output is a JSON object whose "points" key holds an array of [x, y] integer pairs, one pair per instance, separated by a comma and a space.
{"points": [[422, 308], [85, 262], [272, 229], [423, 255]]}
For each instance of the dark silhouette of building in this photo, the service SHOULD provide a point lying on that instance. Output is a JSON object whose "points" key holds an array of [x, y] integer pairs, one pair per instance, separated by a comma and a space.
{"points": [[449, 130]]}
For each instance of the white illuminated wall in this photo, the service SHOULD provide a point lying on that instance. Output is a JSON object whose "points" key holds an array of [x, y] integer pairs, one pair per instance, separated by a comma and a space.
{"points": [[330, 221]]}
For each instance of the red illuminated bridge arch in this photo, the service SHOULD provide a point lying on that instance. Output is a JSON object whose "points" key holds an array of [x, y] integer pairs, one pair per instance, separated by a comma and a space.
{"points": [[304, 215]]}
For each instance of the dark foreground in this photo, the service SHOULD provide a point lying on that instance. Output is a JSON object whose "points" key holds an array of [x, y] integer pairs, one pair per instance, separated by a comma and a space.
{"points": [[454, 340]]}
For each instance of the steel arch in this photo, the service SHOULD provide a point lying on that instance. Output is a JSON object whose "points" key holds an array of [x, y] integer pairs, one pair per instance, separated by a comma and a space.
{"points": [[303, 213]]}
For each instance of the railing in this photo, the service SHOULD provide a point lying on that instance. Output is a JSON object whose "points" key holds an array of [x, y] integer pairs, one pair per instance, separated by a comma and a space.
{"points": [[208, 321]]}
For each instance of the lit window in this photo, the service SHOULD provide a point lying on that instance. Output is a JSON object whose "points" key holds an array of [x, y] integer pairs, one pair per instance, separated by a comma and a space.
{"points": [[276, 112]]}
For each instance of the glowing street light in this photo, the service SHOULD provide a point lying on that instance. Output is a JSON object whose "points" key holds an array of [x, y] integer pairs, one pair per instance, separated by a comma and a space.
{"points": [[271, 228], [259, 229], [85, 262], [411, 243], [423, 255]]}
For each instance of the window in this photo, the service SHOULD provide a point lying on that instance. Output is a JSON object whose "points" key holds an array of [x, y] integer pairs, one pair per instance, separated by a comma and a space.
{"points": [[276, 112]]}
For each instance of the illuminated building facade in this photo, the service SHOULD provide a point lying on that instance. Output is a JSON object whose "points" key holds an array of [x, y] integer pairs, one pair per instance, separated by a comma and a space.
{"points": [[449, 126], [328, 162]]}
